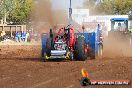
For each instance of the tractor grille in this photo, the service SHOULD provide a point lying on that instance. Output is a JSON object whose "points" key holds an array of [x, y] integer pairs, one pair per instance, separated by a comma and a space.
{"points": [[58, 52]]}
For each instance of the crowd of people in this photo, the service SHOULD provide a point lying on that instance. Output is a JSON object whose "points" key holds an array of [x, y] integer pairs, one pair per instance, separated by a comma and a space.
{"points": [[22, 37], [18, 37]]}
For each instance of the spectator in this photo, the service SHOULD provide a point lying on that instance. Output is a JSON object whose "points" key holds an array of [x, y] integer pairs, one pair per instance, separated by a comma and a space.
{"points": [[23, 38], [27, 37], [18, 37], [3, 35]]}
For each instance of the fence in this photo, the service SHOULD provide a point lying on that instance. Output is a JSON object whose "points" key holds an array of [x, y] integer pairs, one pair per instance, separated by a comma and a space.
{"points": [[11, 30]]}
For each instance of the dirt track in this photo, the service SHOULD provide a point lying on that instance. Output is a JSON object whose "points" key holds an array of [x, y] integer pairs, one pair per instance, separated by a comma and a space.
{"points": [[20, 67]]}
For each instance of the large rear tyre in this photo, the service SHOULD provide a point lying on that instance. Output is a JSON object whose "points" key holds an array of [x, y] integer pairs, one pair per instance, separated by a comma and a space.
{"points": [[48, 47], [42, 54], [46, 51], [80, 53], [44, 58]]}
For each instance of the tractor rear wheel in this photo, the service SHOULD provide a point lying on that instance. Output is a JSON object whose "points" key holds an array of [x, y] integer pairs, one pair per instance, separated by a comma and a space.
{"points": [[47, 50], [48, 47], [44, 57], [80, 53]]}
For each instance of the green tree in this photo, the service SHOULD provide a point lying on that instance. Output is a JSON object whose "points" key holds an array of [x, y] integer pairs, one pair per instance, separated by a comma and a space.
{"points": [[111, 7], [5, 8], [91, 5], [119, 7], [16, 11]]}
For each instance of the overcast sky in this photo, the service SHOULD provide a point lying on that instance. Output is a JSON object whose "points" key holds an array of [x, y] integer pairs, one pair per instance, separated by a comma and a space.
{"points": [[64, 4]]}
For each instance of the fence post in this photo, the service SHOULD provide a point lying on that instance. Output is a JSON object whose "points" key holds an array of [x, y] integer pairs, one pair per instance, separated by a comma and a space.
{"points": [[11, 31]]}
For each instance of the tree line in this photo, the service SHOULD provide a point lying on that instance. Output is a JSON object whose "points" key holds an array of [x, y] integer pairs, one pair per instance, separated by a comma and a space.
{"points": [[109, 7], [15, 11]]}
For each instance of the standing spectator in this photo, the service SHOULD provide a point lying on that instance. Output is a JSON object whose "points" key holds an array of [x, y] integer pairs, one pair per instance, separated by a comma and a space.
{"points": [[27, 37], [18, 37], [23, 38], [3, 35]]}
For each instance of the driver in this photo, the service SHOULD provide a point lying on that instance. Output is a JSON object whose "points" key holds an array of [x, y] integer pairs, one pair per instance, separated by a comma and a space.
{"points": [[56, 38]]}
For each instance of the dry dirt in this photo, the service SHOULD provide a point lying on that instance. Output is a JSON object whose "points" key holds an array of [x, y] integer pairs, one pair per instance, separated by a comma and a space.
{"points": [[21, 67]]}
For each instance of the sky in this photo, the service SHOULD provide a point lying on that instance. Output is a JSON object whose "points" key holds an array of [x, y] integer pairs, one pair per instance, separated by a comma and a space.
{"points": [[64, 4]]}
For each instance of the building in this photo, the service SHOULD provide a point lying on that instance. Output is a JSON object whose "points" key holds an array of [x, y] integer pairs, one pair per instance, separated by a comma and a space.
{"points": [[82, 16]]}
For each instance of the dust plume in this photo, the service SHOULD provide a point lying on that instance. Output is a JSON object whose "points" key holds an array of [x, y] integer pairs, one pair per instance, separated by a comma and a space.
{"points": [[118, 45], [44, 17]]}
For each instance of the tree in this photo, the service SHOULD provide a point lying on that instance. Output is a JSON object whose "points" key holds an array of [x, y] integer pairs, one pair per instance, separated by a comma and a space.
{"points": [[91, 5], [111, 7], [16, 11], [5, 7], [118, 7]]}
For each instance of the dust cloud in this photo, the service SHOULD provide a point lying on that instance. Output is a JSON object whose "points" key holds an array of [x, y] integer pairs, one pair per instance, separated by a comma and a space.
{"points": [[44, 17], [118, 45]]}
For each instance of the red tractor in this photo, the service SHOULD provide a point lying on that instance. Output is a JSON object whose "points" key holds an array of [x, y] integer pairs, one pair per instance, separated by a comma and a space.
{"points": [[69, 45], [64, 45]]}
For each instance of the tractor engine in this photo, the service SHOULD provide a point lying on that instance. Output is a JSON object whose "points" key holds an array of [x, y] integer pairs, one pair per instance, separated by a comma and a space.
{"points": [[60, 43]]}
